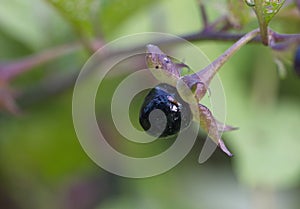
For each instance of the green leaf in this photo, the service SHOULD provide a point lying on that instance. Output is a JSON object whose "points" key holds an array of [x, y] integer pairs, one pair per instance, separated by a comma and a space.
{"points": [[271, 7], [265, 10], [79, 13], [114, 12], [19, 21]]}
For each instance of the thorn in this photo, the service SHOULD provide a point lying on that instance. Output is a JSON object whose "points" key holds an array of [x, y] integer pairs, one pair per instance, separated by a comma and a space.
{"points": [[7, 100], [224, 148]]}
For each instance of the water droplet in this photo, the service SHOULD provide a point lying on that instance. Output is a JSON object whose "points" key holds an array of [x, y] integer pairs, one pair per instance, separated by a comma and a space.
{"points": [[250, 3], [274, 2], [269, 9], [280, 1]]}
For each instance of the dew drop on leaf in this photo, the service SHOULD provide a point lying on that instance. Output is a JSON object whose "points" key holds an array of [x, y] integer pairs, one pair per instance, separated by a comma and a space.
{"points": [[250, 3]]}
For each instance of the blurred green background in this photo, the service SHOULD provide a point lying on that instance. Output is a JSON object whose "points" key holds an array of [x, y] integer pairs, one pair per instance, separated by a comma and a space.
{"points": [[42, 164]]}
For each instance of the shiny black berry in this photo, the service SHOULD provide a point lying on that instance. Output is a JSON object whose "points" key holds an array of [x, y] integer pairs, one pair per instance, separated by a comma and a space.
{"points": [[297, 61], [173, 114]]}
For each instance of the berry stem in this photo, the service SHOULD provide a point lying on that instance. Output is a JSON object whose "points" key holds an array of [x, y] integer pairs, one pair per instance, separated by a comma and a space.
{"points": [[209, 72]]}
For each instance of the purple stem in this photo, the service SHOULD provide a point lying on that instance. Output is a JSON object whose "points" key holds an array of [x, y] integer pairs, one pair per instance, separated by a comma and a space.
{"points": [[209, 72], [10, 70]]}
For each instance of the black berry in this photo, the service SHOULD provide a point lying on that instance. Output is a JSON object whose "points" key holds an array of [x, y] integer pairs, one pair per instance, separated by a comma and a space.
{"points": [[165, 98], [297, 61]]}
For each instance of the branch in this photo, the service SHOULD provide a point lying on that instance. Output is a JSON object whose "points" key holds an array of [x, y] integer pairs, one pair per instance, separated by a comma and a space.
{"points": [[281, 37], [200, 81], [217, 36], [203, 14], [47, 87], [52, 87], [15, 68], [214, 67], [10, 70]]}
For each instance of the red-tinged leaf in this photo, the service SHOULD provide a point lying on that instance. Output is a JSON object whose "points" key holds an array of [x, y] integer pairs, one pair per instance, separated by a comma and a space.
{"points": [[209, 124]]}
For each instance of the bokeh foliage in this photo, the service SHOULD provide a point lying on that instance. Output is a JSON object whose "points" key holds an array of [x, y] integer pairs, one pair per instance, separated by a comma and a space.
{"points": [[41, 159]]}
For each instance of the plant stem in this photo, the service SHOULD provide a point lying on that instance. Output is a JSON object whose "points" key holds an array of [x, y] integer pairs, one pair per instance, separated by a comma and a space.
{"points": [[209, 72], [217, 36], [17, 67], [10, 70], [280, 37], [263, 25], [203, 14]]}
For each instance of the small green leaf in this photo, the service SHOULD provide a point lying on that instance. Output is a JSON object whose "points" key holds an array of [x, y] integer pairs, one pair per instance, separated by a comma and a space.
{"points": [[265, 10], [270, 8]]}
